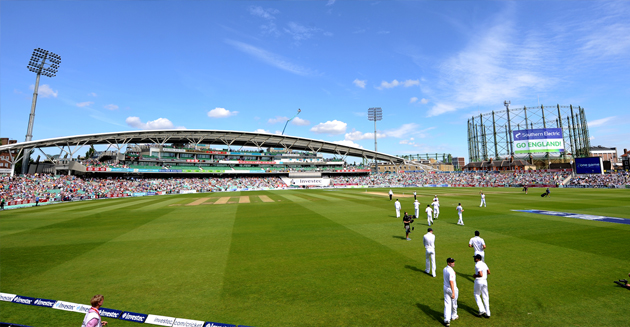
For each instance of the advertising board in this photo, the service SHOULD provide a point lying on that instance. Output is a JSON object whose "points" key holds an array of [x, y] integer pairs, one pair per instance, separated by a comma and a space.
{"points": [[591, 165], [538, 140]]}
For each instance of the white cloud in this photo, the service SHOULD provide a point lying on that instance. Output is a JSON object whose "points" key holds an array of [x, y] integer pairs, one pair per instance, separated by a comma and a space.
{"points": [[440, 108], [334, 127], [600, 122], [45, 91], [278, 119], [300, 122], [110, 107], [221, 113], [84, 104], [403, 131], [424, 101], [299, 32], [270, 58], [160, 123], [92, 94], [410, 82], [359, 83], [394, 83], [348, 143], [330, 2], [358, 136], [412, 100], [260, 130], [268, 15]]}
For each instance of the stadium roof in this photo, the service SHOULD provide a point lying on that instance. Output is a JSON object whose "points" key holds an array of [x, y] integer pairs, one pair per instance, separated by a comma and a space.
{"points": [[230, 139]]}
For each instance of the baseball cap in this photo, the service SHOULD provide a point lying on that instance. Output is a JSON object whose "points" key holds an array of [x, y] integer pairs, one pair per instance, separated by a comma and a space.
{"points": [[477, 256], [449, 260]]}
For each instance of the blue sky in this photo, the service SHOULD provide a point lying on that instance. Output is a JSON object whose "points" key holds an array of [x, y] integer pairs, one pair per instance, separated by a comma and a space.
{"points": [[249, 65]]}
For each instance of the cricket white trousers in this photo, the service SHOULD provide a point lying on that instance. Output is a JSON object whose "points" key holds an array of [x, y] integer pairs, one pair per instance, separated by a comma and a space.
{"points": [[436, 213], [460, 221], [417, 213], [397, 213], [481, 292], [450, 304], [430, 264], [483, 203], [429, 219]]}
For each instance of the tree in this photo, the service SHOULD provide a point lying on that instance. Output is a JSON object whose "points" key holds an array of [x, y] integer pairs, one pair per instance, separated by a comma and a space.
{"points": [[90, 152]]}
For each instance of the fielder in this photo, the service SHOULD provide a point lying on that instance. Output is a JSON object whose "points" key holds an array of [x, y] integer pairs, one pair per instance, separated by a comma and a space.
{"points": [[481, 286], [450, 292], [459, 213], [429, 245], [416, 206], [390, 195], [414, 197], [483, 200], [429, 212], [398, 207], [436, 209], [435, 198], [479, 244]]}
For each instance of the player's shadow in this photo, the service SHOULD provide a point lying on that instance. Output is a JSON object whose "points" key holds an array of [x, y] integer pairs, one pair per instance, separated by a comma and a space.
{"points": [[414, 268], [468, 309], [400, 237], [436, 315], [469, 277]]}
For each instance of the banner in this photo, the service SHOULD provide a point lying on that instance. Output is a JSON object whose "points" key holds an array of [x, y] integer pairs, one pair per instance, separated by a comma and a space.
{"points": [[309, 181], [538, 140]]}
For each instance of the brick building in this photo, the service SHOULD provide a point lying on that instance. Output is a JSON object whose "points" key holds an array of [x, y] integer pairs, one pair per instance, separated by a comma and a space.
{"points": [[607, 154], [5, 159]]}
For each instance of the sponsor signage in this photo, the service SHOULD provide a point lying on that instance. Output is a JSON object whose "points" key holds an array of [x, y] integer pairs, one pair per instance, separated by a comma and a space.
{"points": [[217, 152], [187, 191], [109, 313], [257, 162], [579, 216], [538, 140], [69, 306], [7, 297], [44, 303], [139, 194], [592, 165], [216, 324], [23, 300], [179, 322], [160, 320], [132, 316], [310, 181]]}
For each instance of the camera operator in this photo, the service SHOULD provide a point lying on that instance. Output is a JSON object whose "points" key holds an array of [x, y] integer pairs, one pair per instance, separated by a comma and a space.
{"points": [[407, 220]]}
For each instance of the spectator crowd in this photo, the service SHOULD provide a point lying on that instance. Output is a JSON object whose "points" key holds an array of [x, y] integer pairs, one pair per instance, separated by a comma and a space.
{"points": [[64, 187]]}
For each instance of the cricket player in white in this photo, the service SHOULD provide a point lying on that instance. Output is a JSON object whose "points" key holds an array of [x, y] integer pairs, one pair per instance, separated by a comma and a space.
{"points": [[416, 206], [435, 198], [436, 209], [459, 212], [450, 292], [481, 286], [483, 200], [429, 212], [479, 244], [390, 195], [429, 245], [415, 196], [398, 207]]}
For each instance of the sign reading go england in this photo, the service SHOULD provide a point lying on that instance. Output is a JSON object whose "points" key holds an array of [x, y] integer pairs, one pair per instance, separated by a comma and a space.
{"points": [[538, 140]]}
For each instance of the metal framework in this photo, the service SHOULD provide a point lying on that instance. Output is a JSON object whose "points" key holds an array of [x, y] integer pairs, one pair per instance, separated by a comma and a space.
{"points": [[490, 134], [70, 145]]}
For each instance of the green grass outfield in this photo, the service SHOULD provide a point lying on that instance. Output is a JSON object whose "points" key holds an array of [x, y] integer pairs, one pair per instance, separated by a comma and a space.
{"points": [[319, 258]]}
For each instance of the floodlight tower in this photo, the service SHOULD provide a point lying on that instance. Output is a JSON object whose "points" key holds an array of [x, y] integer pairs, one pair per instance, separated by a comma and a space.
{"points": [[507, 103], [375, 114], [37, 65]]}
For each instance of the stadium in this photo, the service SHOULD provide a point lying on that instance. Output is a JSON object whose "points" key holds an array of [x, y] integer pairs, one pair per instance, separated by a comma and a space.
{"points": [[156, 188]]}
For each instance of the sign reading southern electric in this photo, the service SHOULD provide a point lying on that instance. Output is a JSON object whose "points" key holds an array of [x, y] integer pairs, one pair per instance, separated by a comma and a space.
{"points": [[538, 140]]}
